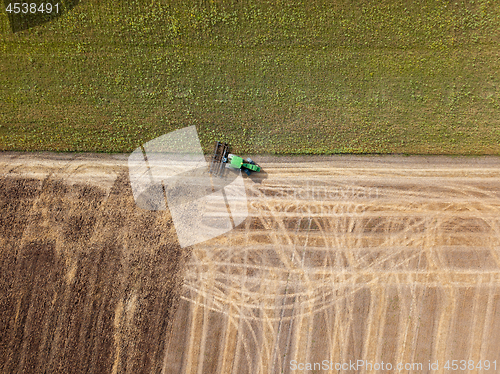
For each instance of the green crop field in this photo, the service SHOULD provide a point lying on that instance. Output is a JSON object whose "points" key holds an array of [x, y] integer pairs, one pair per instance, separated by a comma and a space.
{"points": [[278, 77]]}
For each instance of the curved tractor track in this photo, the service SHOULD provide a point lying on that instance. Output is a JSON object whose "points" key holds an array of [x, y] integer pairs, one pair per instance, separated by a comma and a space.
{"points": [[386, 259]]}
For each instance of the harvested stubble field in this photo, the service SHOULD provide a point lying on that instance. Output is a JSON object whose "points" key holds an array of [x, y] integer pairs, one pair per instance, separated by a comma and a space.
{"points": [[381, 259]]}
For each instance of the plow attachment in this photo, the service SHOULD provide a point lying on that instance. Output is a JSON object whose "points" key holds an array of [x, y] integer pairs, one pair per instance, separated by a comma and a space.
{"points": [[219, 159]]}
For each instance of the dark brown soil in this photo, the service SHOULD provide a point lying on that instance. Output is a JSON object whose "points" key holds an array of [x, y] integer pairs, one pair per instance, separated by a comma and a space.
{"points": [[88, 281]]}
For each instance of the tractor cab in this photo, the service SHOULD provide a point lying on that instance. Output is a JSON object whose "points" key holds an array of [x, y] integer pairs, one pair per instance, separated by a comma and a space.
{"points": [[238, 162]]}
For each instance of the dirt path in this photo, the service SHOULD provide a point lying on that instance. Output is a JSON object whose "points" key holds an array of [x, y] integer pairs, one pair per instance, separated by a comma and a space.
{"points": [[393, 259]]}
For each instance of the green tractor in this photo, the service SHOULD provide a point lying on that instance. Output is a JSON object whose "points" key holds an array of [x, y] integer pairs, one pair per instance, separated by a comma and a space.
{"points": [[222, 158]]}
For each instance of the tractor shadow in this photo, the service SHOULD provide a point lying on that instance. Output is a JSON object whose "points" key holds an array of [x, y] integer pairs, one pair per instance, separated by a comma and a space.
{"points": [[231, 174], [257, 177]]}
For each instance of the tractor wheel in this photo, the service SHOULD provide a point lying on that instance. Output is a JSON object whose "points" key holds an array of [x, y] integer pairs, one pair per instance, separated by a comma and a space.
{"points": [[247, 171], [250, 161]]}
